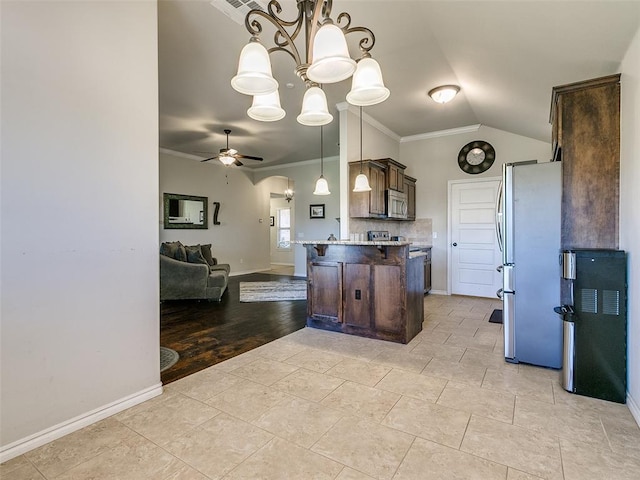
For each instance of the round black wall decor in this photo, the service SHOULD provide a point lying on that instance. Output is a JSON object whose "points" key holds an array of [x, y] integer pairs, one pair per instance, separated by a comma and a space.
{"points": [[476, 157]]}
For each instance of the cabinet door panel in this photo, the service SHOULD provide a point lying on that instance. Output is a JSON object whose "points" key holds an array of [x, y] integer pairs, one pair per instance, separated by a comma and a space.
{"points": [[388, 297], [357, 283], [325, 302]]}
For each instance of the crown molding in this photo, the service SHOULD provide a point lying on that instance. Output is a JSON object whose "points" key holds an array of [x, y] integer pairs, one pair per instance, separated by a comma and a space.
{"points": [[342, 106], [441, 133]]}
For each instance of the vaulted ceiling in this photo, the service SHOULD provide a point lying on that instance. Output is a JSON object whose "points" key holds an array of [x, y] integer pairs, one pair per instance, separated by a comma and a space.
{"points": [[505, 55]]}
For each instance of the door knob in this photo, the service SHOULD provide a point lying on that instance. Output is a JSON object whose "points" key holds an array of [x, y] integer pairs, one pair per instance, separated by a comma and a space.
{"points": [[454, 244]]}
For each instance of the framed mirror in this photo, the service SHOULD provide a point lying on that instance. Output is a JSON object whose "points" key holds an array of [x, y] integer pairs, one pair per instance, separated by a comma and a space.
{"points": [[185, 211]]}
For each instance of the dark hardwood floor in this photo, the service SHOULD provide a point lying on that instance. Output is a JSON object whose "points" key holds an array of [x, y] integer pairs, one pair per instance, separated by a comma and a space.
{"points": [[206, 333]]}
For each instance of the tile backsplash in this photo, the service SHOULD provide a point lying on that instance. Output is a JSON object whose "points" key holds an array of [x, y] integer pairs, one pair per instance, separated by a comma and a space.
{"points": [[419, 230]]}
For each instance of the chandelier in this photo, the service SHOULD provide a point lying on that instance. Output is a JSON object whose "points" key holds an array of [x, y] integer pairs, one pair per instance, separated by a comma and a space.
{"points": [[325, 59]]}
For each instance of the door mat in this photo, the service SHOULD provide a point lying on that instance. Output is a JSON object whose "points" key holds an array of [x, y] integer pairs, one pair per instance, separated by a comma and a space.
{"points": [[168, 358], [496, 316], [273, 291]]}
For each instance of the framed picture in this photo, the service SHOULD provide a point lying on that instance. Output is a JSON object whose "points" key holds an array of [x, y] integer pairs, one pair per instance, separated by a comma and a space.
{"points": [[316, 211], [272, 221]]}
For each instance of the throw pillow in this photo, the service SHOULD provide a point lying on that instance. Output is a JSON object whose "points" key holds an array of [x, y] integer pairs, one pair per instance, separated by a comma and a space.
{"points": [[181, 253], [194, 255], [168, 249], [206, 253]]}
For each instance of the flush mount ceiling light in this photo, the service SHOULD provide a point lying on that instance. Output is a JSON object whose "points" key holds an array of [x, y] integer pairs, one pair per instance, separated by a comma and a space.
{"points": [[444, 93], [326, 60]]}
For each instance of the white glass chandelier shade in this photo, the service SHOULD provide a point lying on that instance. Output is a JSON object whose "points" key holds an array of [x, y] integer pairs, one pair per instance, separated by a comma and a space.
{"points": [[322, 187], [367, 86], [314, 108], [331, 61], [266, 108], [444, 94], [254, 75], [362, 184], [226, 159]]}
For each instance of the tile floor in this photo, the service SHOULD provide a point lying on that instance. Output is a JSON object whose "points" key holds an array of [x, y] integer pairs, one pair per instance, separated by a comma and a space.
{"points": [[321, 405]]}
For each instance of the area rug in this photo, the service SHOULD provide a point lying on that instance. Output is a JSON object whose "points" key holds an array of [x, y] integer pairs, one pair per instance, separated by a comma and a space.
{"points": [[273, 291], [168, 358], [496, 316]]}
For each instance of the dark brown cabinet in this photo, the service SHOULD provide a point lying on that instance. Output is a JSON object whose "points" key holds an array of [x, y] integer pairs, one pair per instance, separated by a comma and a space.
{"points": [[395, 174], [367, 204], [410, 190], [368, 290], [427, 271], [586, 137], [324, 291]]}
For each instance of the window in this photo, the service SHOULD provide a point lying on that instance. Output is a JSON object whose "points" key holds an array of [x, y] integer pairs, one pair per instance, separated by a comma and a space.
{"points": [[284, 228]]}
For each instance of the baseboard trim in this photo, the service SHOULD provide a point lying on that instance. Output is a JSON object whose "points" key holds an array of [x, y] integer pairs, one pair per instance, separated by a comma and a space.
{"points": [[438, 292], [14, 449], [634, 408]]}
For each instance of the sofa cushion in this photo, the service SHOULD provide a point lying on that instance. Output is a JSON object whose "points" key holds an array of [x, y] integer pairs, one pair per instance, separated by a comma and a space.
{"points": [[194, 254], [168, 249], [206, 253]]}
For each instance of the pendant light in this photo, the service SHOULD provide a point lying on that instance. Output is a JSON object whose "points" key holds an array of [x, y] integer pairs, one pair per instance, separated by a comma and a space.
{"points": [[331, 60], [314, 108], [318, 46], [322, 186], [367, 86], [288, 193], [266, 108], [362, 182], [254, 70]]}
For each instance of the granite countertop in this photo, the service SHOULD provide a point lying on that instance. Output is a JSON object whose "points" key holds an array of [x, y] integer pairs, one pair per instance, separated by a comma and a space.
{"points": [[378, 243]]}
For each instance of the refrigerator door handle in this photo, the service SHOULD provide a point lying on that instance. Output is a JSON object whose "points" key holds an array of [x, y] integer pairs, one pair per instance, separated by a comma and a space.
{"points": [[498, 218]]}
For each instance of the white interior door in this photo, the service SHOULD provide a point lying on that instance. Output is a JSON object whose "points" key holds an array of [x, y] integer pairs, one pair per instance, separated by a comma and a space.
{"points": [[474, 252]]}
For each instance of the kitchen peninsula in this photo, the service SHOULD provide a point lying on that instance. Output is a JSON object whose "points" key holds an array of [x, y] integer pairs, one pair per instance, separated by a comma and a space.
{"points": [[368, 288]]}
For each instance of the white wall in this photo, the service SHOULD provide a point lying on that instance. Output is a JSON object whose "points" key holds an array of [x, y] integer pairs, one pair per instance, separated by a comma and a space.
{"points": [[79, 285], [242, 238], [434, 161], [629, 212], [282, 256], [304, 175]]}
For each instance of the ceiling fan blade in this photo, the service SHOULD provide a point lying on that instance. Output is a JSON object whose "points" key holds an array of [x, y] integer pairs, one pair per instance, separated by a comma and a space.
{"points": [[250, 157], [238, 163], [207, 159]]}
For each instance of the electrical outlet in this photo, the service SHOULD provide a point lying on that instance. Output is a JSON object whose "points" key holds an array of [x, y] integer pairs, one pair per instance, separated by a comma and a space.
{"points": [[435, 234]]}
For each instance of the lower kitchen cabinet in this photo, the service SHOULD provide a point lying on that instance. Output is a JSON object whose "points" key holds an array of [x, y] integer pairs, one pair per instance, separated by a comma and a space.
{"points": [[324, 291], [371, 289]]}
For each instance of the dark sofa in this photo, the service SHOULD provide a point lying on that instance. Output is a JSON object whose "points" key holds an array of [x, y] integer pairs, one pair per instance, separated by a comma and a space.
{"points": [[191, 273]]}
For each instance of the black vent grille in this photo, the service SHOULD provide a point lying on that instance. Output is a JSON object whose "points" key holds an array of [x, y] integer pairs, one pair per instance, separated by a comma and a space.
{"points": [[589, 300], [611, 302]]}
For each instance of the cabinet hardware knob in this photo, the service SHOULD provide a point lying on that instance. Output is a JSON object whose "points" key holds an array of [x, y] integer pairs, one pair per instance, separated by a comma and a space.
{"points": [[454, 244]]}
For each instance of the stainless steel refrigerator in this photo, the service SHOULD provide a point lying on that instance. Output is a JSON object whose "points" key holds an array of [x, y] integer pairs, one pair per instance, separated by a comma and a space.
{"points": [[529, 237]]}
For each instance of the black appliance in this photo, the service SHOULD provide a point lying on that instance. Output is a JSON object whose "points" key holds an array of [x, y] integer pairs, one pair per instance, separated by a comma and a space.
{"points": [[595, 323]]}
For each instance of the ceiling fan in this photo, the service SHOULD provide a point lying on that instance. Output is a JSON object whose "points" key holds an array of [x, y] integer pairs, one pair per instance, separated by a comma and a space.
{"points": [[230, 156]]}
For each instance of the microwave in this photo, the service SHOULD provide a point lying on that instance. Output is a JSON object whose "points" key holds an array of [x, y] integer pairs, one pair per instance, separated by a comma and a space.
{"points": [[396, 204]]}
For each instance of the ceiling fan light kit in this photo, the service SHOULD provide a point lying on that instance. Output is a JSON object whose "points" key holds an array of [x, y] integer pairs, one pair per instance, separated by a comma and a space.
{"points": [[326, 59], [444, 93], [229, 156]]}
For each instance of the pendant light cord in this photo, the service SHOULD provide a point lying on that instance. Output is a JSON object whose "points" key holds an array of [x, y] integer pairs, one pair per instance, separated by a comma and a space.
{"points": [[360, 139], [321, 151]]}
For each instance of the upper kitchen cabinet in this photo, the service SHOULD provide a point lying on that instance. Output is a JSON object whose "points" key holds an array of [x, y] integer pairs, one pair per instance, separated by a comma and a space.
{"points": [[395, 174], [368, 204], [585, 117], [410, 190]]}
